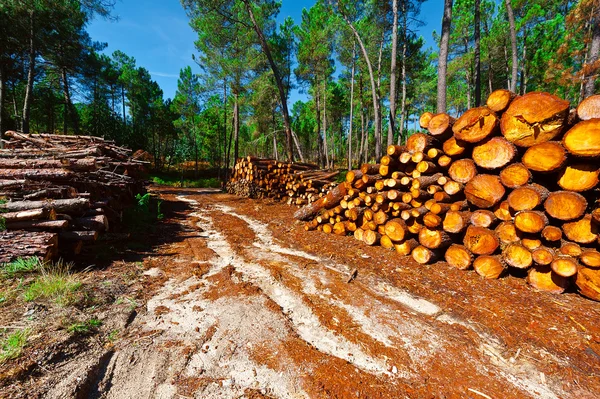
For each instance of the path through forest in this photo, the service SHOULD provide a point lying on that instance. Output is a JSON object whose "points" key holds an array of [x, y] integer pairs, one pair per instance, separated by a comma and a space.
{"points": [[245, 303]]}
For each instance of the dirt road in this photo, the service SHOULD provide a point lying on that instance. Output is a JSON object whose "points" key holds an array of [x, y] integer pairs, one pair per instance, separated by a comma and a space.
{"points": [[242, 302]]}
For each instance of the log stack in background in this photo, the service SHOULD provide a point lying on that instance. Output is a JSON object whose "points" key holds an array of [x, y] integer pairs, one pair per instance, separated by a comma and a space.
{"points": [[59, 191], [294, 183], [511, 186]]}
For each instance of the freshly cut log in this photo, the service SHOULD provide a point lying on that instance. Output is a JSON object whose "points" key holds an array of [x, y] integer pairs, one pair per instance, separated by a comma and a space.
{"points": [[502, 211], [515, 175], [579, 177], [451, 188], [508, 233], [424, 119], [590, 258], [583, 139], [588, 282], [531, 242], [463, 170], [339, 229], [570, 249], [439, 208], [494, 153], [433, 239], [589, 108], [543, 256], [456, 221], [440, 125], [531, 221], [552, 233], [353, 175], [394, 150], [483, 218], [332, 198], [596, 215], [481, 241], [395, 229], [25, 244], [475, 125], [432, 220], [565, 266], [484, 191], [369, 169], [489, 266], [582, 231], [565, 205], [30, 214], [545, 157], [327, 228], [527, 198], [453, 147], [61, 205], [423, 255], [516, 255], [38, 225], [371, 237], [36, 174], [406, 247], [499, 100], [459, 256], [542, 278], [419, 142], [534, 118]]}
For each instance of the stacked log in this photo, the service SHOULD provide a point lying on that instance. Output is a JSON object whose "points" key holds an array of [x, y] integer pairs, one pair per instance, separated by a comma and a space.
{"points": [[57, 191], [294, 183], [508, 187]]}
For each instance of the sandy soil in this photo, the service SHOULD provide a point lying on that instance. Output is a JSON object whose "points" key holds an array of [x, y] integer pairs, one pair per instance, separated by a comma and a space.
{"points": [[238, 301]]}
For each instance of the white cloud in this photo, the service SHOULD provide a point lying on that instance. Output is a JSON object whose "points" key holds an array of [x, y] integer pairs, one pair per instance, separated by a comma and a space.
{"points": [[164, 75]]}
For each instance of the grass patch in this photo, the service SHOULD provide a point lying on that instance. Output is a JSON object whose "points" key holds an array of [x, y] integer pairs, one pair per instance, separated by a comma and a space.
{"points": [[20, 266], [173, 181], [87, 327], [12, 346], [56, 283]]}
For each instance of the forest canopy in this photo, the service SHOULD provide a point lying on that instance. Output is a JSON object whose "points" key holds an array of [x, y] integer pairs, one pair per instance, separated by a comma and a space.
{"points": [[363, 66]]}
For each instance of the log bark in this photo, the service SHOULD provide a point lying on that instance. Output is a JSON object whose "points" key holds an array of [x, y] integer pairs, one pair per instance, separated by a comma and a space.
{"points": [[60, 205], [38, 225], [97, 223], [332, 199], [31, 214], [24, 244], [534, 118]]}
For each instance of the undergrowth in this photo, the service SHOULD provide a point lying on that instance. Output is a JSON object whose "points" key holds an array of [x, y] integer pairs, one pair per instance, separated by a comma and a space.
{"points": [[145, 212], [12, 346], [20, 266], [56, 283], [172, 181]]}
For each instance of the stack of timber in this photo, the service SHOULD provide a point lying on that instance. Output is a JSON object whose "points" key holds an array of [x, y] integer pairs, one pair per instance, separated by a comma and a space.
{"points": [[508, 187], [294, 183], [59, 191]]}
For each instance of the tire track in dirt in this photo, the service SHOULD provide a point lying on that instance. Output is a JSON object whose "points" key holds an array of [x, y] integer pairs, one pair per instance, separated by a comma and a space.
{"points": [[520, 375]]}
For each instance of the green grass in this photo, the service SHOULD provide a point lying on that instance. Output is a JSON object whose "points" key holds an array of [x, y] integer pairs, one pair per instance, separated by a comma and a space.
{"points": [[20, 266], [13, 345], [186, 183], [56, 283], [85, 327]]}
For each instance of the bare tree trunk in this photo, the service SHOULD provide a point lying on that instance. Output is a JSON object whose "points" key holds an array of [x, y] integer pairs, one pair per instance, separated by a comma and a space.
{"points": [[326, 149], [404, 50], [351, 108], [70, 112], [30, 76], [320, 147], [123, 102], [284, 108], [468, 76], [392, 122], [298, 148], [523, 88], [2, 91], [592, 75], [236, 125], [477, 60], [443, 57], [376, 110], [513, 44]]}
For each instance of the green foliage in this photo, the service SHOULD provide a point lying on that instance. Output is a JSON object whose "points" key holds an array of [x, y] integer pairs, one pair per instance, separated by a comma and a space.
{"points": [[20, 266], [56, 283], [145, 212], [12, 345], [169, 180], [86, 327]]}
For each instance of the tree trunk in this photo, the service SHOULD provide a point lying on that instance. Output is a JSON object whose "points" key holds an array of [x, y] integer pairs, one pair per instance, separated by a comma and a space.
{"points": [[392, 122], [70, 112], [513, 43], [404, 49], [523, 85], [327, 157], [2, 90], [477, 60], [30, 76], [376, 110], [236, 125], [351, 108], [443, 57], [123, 102], [591, 76], [278, 81]]}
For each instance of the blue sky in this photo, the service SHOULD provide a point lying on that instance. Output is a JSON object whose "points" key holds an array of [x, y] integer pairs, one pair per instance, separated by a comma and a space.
{"points": [[158, 35]]}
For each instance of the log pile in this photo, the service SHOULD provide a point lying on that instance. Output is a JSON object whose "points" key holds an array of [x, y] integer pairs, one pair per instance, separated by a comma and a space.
{"points": [[58, 191], [508, 187], [294, 183]]}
